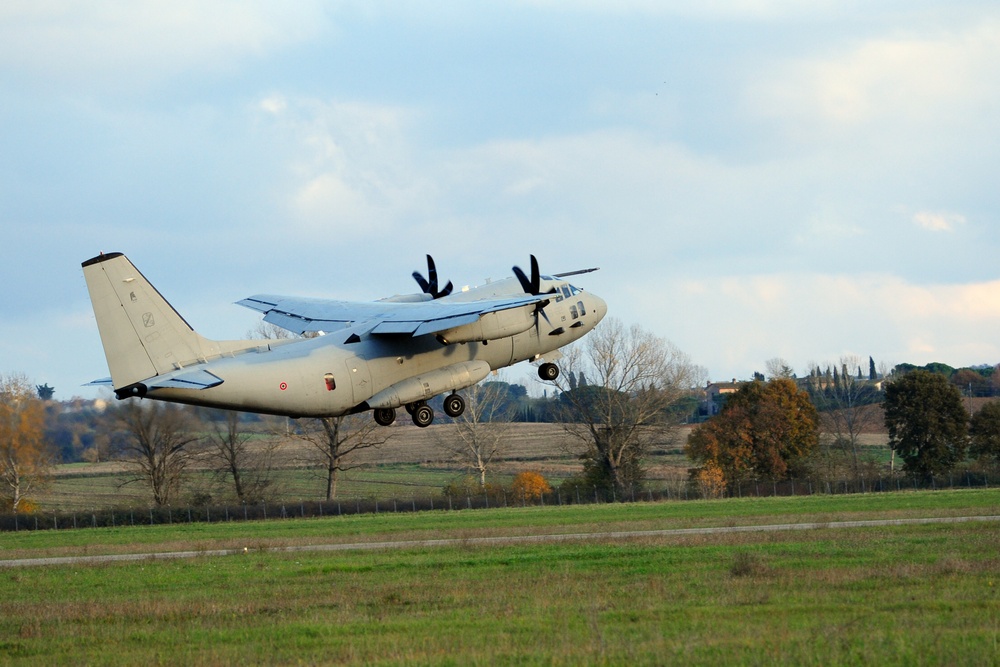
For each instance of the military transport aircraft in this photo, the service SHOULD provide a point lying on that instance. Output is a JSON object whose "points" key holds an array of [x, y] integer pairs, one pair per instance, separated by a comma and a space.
{"points": [[380, 355]]}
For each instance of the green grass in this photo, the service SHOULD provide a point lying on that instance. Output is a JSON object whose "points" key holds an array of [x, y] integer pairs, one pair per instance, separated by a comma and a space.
{"points": [[86, 491], [916, 594]]}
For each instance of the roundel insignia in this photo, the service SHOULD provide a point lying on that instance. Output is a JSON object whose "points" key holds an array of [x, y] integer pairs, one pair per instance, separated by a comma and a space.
{"points": [[283, 386]]}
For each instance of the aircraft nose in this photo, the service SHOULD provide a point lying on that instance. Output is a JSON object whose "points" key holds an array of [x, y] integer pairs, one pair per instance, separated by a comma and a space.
{"points": [[598, 307]]}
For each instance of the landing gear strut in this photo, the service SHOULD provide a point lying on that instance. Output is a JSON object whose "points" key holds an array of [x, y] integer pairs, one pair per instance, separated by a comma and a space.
{"points": [[548, 372]]}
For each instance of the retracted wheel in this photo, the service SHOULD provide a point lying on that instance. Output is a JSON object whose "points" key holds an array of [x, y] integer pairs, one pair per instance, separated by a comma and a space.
{"points": [[384, 416], [423, 415], [548, 372], [454, 405]]}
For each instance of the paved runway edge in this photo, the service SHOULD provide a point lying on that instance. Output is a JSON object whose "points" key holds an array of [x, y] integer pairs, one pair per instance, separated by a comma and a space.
{"points": [[508, 540]]}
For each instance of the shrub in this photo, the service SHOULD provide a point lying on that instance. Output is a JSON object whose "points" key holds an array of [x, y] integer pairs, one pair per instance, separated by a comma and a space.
{"points": [[529, 486]]}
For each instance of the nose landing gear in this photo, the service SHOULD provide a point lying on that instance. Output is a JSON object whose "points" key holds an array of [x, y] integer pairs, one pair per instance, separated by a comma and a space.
{"points": [[548, 372]]}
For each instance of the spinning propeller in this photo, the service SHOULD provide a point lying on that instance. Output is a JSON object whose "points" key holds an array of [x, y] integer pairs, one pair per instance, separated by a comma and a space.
{"points": [[533, 286], [430, 284], [530, 285]]}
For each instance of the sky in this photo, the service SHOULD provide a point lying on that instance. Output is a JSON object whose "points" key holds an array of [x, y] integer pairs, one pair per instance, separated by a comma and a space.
{"points": [[754, 178]]}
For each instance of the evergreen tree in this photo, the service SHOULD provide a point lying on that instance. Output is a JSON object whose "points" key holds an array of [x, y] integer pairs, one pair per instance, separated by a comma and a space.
{"points": [[927, 422]]}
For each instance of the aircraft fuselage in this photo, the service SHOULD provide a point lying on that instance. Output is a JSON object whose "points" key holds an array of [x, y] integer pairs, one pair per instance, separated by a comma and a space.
{"points": [[320, 377]]}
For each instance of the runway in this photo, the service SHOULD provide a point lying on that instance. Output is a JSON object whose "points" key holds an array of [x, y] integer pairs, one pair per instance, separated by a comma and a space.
{"points": [[491, 541]]}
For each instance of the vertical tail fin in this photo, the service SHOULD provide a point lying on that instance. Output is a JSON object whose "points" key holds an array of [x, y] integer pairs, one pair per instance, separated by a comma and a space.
{"points": [[143, 335]]}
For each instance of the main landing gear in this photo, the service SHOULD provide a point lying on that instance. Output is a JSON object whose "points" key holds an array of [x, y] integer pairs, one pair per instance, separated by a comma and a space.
{"points": [[384, 416], [421, 413]]}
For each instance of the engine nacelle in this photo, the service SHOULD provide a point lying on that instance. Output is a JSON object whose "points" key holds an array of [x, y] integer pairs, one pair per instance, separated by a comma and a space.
{"points": [[491, 326]]}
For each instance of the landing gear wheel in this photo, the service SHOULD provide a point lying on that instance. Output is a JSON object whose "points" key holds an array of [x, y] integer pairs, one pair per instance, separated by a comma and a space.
{"points": [[423, 415], [384, 416], [548, 372], [454, 405]]}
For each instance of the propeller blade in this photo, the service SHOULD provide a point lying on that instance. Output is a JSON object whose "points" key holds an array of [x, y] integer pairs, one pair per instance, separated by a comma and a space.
{"points": [[424, 286], [533, 284], [429, 285]]}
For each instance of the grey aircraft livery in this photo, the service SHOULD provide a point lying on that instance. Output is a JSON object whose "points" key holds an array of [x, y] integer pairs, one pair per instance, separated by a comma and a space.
{"points": [[397, 352]]}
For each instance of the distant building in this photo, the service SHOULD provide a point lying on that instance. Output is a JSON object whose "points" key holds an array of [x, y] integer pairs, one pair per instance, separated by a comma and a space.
{"points": [[715, 397]]}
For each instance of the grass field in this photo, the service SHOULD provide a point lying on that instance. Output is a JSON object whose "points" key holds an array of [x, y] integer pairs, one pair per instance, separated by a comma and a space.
{"points": [[412, 464], [913, 594]]}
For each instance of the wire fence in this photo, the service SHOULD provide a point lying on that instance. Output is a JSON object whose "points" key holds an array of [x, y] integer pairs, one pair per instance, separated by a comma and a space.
{"points": [[494, 498]]}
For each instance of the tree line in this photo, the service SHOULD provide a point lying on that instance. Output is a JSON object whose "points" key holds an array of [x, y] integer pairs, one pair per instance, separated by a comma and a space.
{"points": [[623, 391], [770, 430]]}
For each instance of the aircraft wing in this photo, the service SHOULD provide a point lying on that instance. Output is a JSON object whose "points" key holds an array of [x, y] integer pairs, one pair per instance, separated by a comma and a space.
{"points": [[303, 315]]}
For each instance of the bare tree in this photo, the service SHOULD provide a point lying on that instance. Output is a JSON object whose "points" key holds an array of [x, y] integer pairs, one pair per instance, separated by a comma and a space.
{"points": [[267, 331], [156, 446], [634, 379], [480, 434], [333, 440], [777, 367], [25, 458], [235, 456]]}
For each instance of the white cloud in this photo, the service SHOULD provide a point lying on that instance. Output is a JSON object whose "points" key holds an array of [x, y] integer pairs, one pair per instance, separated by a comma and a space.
{"points": [[740, 321], [707, 9], [118, 45], [348, 166], [938, 221], [897, 79]]}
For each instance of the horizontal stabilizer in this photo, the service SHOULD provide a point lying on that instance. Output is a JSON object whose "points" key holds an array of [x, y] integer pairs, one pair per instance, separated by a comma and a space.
{"points": [[193, 379], [184, 379]]}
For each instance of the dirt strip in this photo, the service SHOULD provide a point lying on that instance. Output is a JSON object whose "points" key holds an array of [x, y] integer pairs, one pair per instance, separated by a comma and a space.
{"points": [[488, 541]]}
